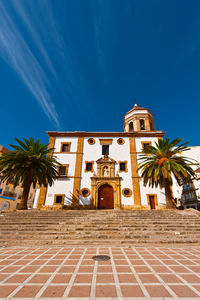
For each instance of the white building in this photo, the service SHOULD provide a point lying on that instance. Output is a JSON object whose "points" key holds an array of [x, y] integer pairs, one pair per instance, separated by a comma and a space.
{"points": [[99, 169], [188, 195]]}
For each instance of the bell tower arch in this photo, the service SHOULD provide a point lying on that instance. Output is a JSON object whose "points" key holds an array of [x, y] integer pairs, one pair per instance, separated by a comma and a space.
{"points": [[138, 119]]}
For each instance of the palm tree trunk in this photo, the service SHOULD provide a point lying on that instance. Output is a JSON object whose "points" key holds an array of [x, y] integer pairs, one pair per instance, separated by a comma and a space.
{"points": [[24, 200], [168, 193]]}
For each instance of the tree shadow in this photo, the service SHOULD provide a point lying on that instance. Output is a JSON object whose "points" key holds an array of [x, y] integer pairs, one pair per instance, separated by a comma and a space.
{"points": [[73, 202]]}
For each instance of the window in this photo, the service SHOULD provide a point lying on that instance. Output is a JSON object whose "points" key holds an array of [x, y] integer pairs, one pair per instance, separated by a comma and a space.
{"points": [[123, 166], [91, 141], [145, 145], [6, 191], [142, 127], [65, 147], [126, 192], [89, 166], [130, 126], [120, 141], [105, 149], [59, 199], [62, 170], [85, 192], [188, 186]]}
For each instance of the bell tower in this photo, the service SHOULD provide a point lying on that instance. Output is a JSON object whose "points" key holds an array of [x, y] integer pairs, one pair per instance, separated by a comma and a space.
{"points": [[138, 119]]}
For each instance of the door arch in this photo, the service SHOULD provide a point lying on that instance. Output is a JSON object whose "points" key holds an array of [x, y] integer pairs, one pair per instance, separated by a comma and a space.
{"points": [[105, 197]]}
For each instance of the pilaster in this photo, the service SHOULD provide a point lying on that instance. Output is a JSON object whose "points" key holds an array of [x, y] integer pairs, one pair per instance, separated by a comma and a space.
{"points": [[134, 172], [77, 174], [43, 189]]}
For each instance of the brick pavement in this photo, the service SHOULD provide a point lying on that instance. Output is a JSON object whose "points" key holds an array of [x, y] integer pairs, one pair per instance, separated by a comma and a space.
{"points": [[70, 273]]}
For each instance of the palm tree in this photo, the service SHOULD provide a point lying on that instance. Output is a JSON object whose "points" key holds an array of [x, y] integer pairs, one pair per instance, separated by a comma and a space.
{"points": [[30, 163], [159, 162]]}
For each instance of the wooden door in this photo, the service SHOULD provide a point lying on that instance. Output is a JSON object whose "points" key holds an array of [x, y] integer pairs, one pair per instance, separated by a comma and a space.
{"points": [[152, 202], [105, 197]]}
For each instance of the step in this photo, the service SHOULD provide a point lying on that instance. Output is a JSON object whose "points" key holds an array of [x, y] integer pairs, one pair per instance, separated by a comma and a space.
{"points": [[98, 228]]}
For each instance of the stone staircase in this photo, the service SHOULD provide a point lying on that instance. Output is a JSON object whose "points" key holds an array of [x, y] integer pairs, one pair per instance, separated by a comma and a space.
{"points": [[98, 227]]}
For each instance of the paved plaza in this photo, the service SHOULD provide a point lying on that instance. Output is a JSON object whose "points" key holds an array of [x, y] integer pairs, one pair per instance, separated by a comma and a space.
{"points": [[71, 273]]}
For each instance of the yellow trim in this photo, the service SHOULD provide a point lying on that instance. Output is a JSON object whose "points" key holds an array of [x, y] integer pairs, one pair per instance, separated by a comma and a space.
{"points": [[125, 162], [146, 142], [105, 141], [65, 143], [66, 170], [134, 172], [65, 152], [43, 189], [77, 173], [130, 192], [88, 194], [91, 141], [120, 139], [62, 203], [143, 133], [90, 162]]}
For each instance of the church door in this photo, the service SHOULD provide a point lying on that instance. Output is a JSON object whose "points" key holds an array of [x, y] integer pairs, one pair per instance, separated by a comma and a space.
{"points": [[105, 197]]}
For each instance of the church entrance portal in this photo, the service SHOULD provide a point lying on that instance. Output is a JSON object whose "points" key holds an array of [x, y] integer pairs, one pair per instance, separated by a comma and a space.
{"points": [[105, 197]]}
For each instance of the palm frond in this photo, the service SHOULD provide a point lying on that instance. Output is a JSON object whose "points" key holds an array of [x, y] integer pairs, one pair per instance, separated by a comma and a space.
{"points": [[158, 162]]}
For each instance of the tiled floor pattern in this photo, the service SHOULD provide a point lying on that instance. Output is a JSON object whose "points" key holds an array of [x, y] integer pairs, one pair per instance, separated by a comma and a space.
{"points": [[71, 273]]}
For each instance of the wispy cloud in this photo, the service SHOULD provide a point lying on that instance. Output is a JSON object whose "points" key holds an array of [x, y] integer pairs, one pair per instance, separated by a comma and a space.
{"points": [[23, 12], [16, 52]]}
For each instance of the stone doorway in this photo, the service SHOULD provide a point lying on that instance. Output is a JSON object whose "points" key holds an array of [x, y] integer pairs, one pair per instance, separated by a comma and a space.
{"points": [[105, 197]]}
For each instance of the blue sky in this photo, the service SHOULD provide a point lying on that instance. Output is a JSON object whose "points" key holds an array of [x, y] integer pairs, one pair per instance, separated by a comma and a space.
{"points": [[81, 65]]}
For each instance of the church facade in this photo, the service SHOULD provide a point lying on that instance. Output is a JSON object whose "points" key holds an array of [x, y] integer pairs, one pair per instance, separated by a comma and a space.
{"points": [[99, 169]]}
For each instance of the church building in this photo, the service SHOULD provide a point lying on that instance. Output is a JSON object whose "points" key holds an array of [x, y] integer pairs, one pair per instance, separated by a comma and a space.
{"points": [[99, 169]]}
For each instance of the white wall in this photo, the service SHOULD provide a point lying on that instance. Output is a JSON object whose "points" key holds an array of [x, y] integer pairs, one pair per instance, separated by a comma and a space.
{"points": [[116, 152], [60, 186], [72, 140], [63, 185], [139, 140], [35, 202], [145, 190]]}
